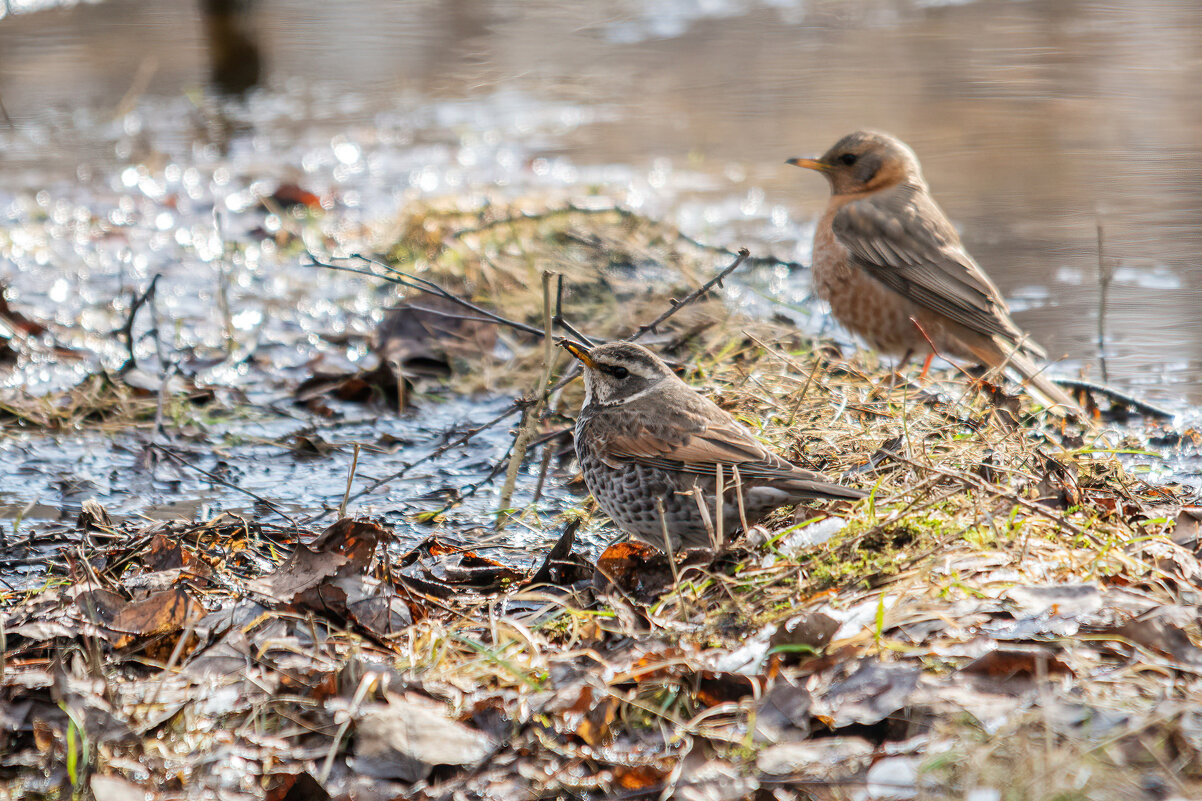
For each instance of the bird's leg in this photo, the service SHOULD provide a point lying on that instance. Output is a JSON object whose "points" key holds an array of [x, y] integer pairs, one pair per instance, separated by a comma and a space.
{"points": [[926, 366]]}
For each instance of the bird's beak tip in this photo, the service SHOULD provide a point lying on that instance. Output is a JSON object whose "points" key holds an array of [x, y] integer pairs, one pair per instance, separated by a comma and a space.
{"points": [[579, 351], [809, 164]]}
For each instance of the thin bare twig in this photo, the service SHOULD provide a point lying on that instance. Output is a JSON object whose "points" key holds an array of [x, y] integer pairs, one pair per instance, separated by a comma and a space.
{"points": [[402, 278], [434, 454], [472, 489], [1104, 275], [533, 413], [558, 318], [691, 297], [350, 480], [1150, 409], [137, 87], [127, 331], [449, 314], [179, 460], [412, 281]]}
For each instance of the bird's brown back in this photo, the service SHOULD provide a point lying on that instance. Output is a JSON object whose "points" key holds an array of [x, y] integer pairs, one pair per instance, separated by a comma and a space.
{"points": [[902, 238]]}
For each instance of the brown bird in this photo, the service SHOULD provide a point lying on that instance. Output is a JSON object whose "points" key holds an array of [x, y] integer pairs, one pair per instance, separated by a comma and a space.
{"points": [[894, 271], [652, 449]]}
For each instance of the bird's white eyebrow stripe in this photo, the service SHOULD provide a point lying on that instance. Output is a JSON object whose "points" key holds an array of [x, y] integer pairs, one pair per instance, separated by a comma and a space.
{"points": [[629, 398], [642, 359]]}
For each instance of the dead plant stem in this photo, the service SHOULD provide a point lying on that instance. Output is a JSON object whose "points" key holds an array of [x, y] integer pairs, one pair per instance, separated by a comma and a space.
{"points": [[350, 480], [532, 414], [1104, 276]]}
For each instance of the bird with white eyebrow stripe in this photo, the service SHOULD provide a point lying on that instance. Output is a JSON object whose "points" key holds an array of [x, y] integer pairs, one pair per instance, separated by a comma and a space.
{"points": [[653, 450]]}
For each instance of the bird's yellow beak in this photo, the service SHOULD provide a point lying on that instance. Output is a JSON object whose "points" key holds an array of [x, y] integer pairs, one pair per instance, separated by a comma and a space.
{"points": [[810, 164], [579, 351]]}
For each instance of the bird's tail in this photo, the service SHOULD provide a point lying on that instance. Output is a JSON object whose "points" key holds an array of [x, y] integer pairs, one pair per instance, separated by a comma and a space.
{"points": [[825, 490], [1055, 398]]}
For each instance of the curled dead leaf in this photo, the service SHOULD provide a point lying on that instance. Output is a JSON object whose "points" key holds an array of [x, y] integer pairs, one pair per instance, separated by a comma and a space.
{"points": [[164, 612], [639, 777], [596, 726], [1017, 659], [640, 571], [307, 577]]}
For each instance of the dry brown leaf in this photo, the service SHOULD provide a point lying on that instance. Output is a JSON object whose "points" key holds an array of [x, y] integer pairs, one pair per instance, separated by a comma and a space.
{"points": [[639, 777], [596, 727], [635, 568], [164, 612], [1016, 659], [305, 579]]}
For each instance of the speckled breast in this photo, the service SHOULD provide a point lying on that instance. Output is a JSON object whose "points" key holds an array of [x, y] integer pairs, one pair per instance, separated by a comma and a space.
{"points": [[633, 495]]}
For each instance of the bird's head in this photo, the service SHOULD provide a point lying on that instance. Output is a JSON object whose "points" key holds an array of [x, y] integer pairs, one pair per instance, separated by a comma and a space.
{"points": [[865, 161], [617, 372]]}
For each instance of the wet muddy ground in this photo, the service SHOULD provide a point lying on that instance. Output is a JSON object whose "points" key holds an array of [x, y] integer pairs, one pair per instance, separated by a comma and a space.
{"points": [[141, 139]]}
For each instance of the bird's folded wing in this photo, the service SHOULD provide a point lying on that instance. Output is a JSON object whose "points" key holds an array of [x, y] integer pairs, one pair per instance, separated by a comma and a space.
{"points": [[732, 448], [902, 238], [701, 452]]}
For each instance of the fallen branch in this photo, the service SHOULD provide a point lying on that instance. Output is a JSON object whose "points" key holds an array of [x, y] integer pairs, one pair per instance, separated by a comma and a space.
{"points": [[1116, 395]]}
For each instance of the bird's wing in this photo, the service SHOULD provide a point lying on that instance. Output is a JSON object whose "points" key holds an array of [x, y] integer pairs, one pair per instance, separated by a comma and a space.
{"points": [[903, 239], [698, 453], [733, 449], [718, 440], [693, 436]]}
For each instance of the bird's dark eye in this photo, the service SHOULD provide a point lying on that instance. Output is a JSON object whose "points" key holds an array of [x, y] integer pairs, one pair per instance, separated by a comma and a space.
{"points": [[619, 372], [848, 158]]}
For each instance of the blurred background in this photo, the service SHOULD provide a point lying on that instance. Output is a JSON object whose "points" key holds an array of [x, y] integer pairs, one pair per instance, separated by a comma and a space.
{"points": [[1046, 128]]}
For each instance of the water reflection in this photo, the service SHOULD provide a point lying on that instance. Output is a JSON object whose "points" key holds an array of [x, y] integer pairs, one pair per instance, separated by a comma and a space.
{"points": [[231, 35], [1037, 122]]}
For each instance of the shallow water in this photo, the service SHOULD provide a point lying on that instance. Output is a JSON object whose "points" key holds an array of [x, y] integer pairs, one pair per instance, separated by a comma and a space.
{"points": [[137, 136], [253, 468]]}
